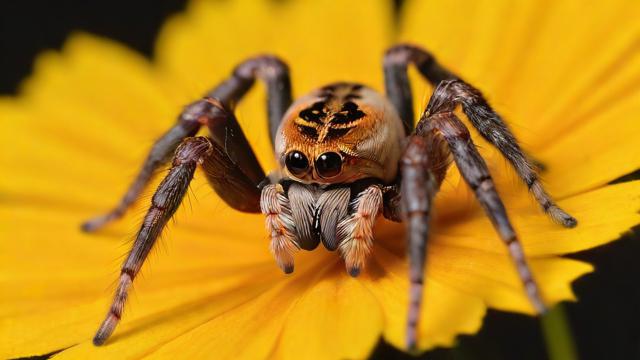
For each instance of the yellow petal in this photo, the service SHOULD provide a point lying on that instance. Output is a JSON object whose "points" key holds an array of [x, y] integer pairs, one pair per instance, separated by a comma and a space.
{"points": [[602, 149], [446, 312], [603, 216], [71, 135], [337, 318], [156, 317], [87, 117], [494, 279], [571, 106], [197, 50], [250, 331]]}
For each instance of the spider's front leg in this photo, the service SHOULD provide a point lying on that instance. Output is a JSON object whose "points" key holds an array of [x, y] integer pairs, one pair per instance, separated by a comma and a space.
{"points": [[448, 94], [452, 91], [228, 178], [164, 203], [273, 71]]}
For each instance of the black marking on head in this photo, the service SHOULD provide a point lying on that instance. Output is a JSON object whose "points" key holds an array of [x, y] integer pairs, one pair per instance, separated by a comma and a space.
{"points": [[336, 133], [349, 106], [349, 113], [328, 92], [336, 85], [328, 88], [354, 92], [342, 91], [326, 95], [308, 132], [334, 115], [314, 113]]}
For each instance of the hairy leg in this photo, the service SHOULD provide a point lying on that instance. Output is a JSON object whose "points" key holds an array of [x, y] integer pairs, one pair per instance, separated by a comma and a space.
{"points": [[475, 172], [423, 167], [355, 232], [225, 130], [163, 205], [280, 225], [450, 93], [396, 79], [273, 72], [160, 153], [165, 201]]}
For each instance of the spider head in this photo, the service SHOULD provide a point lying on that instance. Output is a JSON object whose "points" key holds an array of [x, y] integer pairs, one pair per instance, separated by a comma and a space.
{"points": [[339, 134]]}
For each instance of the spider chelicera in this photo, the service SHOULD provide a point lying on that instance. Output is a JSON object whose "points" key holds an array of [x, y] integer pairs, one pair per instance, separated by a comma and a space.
{"points": [[346, 155]]}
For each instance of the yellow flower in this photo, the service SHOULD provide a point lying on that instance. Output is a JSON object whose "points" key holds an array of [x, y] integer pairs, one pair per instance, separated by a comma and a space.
{"points": [[564, 74]]}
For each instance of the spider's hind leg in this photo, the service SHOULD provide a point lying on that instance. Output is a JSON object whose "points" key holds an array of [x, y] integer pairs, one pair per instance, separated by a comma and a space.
{"points": [[475, 172], [159, 154]]}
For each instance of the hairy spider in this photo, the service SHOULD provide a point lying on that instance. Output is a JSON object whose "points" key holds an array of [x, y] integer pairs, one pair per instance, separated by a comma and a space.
{"points": [[346, 155]]}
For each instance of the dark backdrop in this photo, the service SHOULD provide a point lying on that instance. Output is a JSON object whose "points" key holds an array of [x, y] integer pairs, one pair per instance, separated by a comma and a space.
{"points": [[28, 27], [606, 321]]}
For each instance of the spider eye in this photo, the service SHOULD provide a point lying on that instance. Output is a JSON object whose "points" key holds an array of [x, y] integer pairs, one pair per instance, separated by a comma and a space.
{"points": [[297, 163], [329, 164]]}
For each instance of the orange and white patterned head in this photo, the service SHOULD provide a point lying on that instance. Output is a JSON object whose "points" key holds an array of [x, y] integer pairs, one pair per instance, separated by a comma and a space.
{"points": [[340, 133]]}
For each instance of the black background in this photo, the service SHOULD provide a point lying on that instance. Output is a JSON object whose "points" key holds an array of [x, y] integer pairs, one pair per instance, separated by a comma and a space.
{"points": [[606, 321], [28, 27]]}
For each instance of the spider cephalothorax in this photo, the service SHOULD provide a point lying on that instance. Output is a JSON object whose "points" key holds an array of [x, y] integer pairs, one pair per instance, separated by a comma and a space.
{"points": [[328, 143], [340, 133], [347, 155]]}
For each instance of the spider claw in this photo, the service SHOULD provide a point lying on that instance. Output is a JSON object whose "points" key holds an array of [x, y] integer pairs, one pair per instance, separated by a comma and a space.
{"points": [[95, 224], [354, 271], [287, 268], [412, 346], [561, 217], [569, 222], [105, 330]]}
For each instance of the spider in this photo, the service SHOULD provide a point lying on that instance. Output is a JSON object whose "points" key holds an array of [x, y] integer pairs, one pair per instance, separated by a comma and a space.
{"points": [[346, 156]]}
